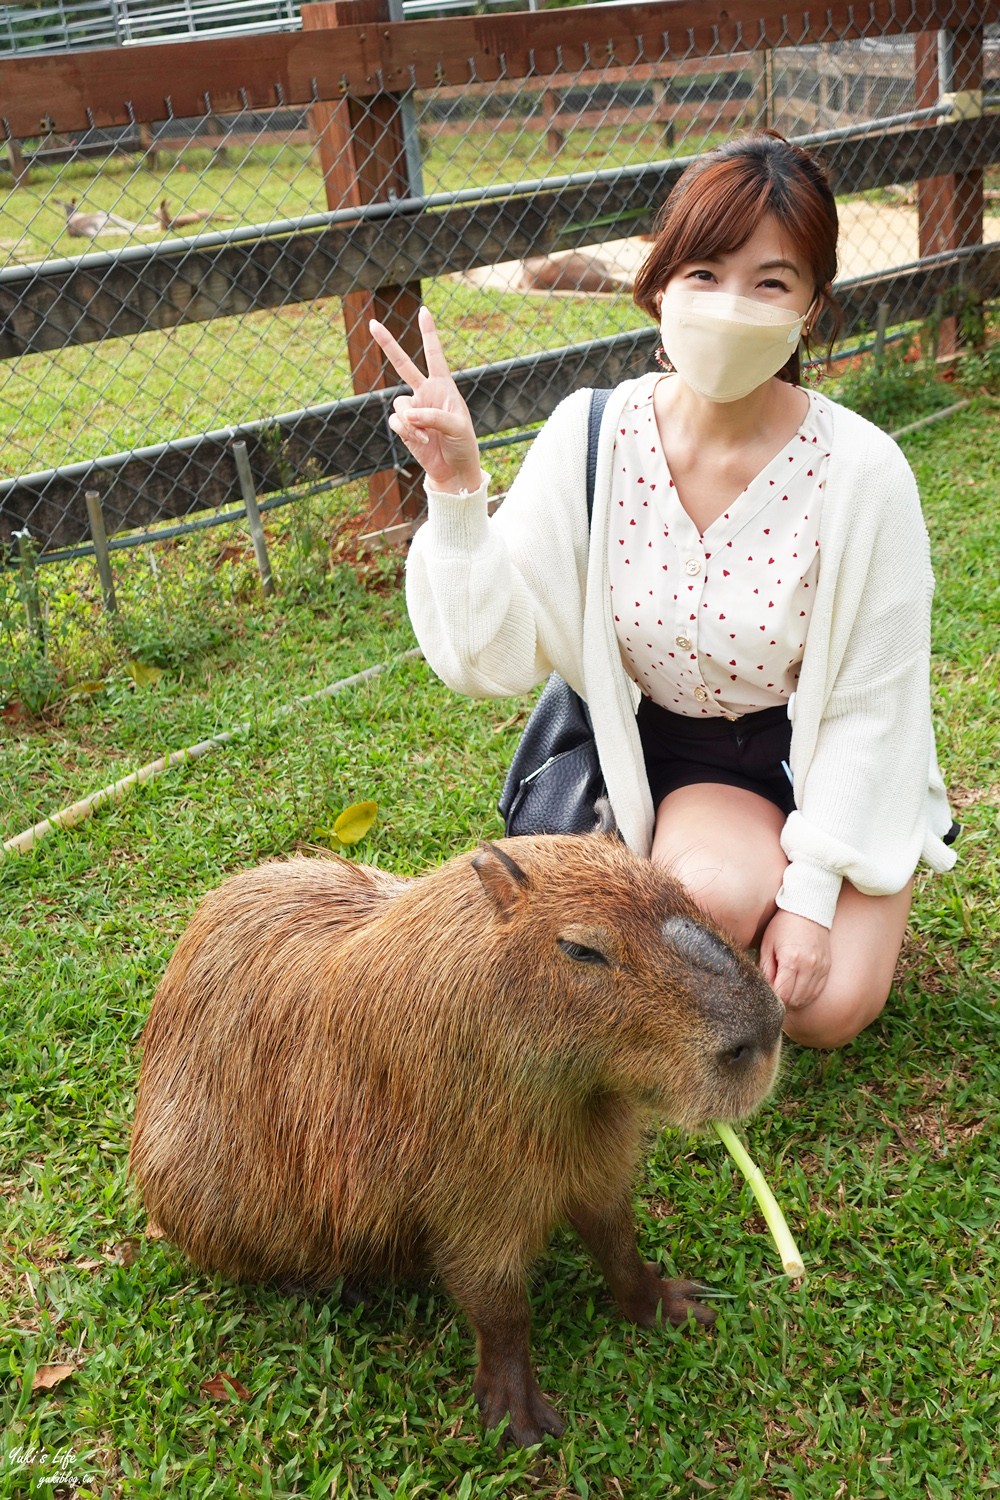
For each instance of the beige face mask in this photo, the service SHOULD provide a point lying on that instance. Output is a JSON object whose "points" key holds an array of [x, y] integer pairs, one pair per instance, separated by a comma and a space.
{"points": [[724, 346]]}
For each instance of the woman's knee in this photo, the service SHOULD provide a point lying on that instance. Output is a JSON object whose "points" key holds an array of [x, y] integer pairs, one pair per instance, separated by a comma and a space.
{"points": [[839, 1015], [724, 894], [722, 844], [741, 910], [866, 938]]}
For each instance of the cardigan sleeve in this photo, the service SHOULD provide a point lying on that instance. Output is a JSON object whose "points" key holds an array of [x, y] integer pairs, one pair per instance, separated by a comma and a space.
{"points": [[497, 602], [863, 805], [862, 796]]}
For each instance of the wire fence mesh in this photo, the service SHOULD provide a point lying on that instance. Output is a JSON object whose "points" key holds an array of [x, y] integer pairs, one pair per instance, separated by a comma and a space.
{"points": [[173, 283]]}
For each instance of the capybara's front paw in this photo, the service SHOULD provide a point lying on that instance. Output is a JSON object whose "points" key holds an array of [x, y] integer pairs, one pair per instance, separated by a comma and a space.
{"points": [[679, 1301], [673, 1301], [531, 1416]]}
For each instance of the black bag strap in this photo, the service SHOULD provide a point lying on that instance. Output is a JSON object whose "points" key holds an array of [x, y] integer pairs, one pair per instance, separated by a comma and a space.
{"points": [[598, 401]]}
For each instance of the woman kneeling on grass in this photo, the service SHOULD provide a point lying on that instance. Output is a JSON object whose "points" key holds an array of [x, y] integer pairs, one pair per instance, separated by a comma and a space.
{"points": [[747, 615]]}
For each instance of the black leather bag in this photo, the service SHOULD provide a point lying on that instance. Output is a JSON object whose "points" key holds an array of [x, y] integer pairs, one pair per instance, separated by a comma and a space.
{"points": [[555, 777]]}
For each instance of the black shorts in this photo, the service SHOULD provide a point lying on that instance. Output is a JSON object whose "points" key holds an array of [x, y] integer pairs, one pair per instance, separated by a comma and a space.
{"points": [[747, 752]]}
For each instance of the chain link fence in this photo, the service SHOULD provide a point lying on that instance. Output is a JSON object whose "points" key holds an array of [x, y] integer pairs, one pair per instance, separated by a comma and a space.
{"points": [[173, 282]]}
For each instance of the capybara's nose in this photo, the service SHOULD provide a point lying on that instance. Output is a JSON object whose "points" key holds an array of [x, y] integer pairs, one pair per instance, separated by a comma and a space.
{"points": [[744, 1055]]}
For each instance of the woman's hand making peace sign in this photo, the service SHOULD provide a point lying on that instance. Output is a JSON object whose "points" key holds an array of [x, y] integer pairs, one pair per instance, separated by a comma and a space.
{"points": [[434, 422]]}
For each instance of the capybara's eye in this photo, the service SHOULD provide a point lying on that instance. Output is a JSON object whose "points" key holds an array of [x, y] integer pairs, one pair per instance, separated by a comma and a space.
{"points": [[581, 952]]}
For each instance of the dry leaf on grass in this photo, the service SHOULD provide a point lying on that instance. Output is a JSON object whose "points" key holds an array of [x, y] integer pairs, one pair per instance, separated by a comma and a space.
{"points": [[221, 1387], [47, 1377]]}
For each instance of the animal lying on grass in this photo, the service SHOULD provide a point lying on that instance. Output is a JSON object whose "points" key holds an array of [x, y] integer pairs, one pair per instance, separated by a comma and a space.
{"points": [[352, 1074], [83, 225]]}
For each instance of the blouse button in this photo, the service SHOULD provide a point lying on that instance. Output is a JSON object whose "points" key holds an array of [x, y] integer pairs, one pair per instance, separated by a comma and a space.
{"points": [[682, 641], [692, 566], [701, 693]]}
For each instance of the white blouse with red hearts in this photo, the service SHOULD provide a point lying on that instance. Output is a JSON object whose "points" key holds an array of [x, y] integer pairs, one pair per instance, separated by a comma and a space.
{"points": [[714, 624]]}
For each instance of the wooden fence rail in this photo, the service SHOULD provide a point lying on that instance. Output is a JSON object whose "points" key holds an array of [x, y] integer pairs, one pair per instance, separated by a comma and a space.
{"points": [[116, 86], [350, 437]]}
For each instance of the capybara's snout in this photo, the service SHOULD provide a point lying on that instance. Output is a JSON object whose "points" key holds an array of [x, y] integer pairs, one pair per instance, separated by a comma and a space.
{"points": [[738, 1020], [749, 1054]]}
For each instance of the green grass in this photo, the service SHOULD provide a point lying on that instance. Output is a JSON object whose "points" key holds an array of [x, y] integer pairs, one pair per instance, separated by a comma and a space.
{"points": [[876, 1379], [261, 183]]}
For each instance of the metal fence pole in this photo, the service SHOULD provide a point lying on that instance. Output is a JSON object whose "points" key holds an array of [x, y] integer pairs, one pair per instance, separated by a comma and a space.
{"points": [[253, 517], [949, 65], [100, 538], [27, 583], [881, 326]]}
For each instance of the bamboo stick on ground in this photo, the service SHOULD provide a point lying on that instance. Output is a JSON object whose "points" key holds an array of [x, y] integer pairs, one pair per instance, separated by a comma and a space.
{"points": [[78, 812]]}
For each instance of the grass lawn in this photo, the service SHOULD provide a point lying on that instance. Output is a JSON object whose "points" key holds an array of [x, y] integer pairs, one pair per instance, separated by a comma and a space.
{"points": [[877, 1378]]}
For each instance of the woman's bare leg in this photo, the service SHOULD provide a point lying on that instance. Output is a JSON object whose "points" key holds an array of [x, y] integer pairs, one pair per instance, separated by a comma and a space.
{"points": [[722, 843], [865, 940]]}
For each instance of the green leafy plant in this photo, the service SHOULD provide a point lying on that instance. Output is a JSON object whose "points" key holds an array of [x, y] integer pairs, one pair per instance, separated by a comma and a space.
{"points": [[900, 388]]}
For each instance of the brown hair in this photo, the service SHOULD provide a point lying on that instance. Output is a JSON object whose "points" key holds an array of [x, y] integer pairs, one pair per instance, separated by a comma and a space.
{"points": [[719, 201]]}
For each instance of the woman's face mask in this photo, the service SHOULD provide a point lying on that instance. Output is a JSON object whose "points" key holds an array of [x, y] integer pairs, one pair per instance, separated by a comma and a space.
{"points": [[724, 346]]}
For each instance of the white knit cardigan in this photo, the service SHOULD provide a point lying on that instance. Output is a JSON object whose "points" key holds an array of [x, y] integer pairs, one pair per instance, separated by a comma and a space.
{"points": [[498, 603]]}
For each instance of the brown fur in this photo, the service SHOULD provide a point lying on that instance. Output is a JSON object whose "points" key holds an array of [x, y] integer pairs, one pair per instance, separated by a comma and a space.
{"points": [[348, 1073], [571, 271]]}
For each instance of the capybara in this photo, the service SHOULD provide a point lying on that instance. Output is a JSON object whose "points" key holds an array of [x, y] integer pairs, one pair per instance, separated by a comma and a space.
{"points": [[352, 1074]]}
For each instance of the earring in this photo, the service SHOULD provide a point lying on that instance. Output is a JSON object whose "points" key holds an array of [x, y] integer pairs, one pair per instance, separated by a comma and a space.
{"points": [[813, 372], [663, 361]]}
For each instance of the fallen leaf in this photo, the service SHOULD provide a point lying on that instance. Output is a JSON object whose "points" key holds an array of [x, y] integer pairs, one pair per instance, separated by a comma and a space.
{"points": [[83, 689], [224, 1387], [88, 1264], [142, 674], [355, 821], [49, 1376], [154, 1232], [230, 552]]}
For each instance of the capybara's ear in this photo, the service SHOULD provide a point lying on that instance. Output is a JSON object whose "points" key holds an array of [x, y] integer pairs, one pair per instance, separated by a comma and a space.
{"points": [[605, 818], [502, 878]]}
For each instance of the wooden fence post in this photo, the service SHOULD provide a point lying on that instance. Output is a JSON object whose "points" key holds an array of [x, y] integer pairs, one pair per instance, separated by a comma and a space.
{"points": [[362, 150], [950, 209]]}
